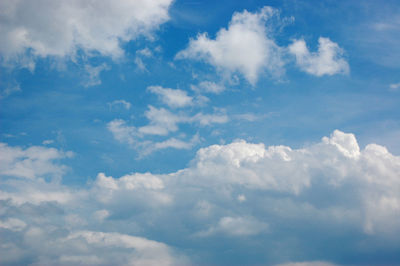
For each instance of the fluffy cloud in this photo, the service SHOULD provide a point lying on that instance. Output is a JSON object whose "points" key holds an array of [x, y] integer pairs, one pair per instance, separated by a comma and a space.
{"points": [[243, 47], [162, 122], [32, 162], [48, 28], [327, 61], [174, 98], [249, 197]]}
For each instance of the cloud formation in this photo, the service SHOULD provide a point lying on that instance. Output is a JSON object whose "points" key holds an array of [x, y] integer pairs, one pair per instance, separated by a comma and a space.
{"points": [[327, 61], [61, 28], [162, 123], [239, 191], [174, 98], [243, 47]]}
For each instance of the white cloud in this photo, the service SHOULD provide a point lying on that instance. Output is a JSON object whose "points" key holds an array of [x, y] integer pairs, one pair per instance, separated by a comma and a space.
{"points": [[140, 64], [127, 105], [174, 98], [394, 86], [93, 74], [208, 87], [208, 119], [241, 198], [236, 226], [12, 224], [161, 120], [10, 90], [243, 47], [319, 190], [141, 251], [145, 52], [60, 28], [33, 162], [122, 132], [171, 143], [47, 141], [327, 61]]}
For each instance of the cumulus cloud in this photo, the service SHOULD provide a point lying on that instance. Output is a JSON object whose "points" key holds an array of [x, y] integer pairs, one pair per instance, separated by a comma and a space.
{"points": [[161, 120], [61, 28], [243, 47], [242, 194], [327, 61], [122, 132], [33, 162], [174, 98]]}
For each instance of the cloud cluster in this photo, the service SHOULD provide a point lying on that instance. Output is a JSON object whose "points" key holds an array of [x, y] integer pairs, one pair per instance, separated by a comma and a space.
{"points": [[327, 61], [240, 194], [163, 122], [61, 28], [247, 46]]}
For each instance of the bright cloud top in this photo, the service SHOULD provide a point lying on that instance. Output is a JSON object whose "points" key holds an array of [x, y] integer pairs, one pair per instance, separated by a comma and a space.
{"points": [[243, 47], [60, 28], [279, 184], [327, 61], [174, 98]]}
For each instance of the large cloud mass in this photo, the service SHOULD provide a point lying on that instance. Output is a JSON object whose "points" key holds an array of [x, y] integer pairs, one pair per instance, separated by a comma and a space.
{"points": [[253, 199], [60, 28]]}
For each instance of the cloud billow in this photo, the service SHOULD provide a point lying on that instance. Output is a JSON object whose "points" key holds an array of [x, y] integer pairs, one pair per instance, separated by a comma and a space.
{"points": [[61, 28], [238, 192]]}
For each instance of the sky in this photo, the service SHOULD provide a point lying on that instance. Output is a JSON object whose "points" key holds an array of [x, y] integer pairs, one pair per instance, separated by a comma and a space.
{"points": [[136, 132]]}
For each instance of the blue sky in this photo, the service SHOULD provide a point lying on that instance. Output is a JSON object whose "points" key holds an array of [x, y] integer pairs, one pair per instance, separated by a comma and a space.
{"points": [[199, 132]]}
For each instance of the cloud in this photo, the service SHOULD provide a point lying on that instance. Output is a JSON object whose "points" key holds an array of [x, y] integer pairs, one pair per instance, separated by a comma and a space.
{"points": [[208, 87], [12, 224], [243, 47], [93, 74], [62, 28], [161, 120], [208, 119], [33, 162], [236, 226], [123, 103], [10, 90], [332, 191], [327, 61], [394, 86], [174, 98], [121, 131]]}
